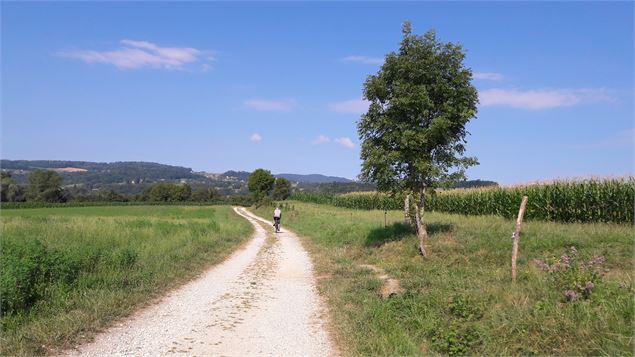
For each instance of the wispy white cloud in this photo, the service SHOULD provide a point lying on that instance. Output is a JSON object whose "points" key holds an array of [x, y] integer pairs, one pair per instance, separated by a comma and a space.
{"points": [[255, 138], [542, 98], [139, 54], [345, 142], [354, 106], [488, 76], [363, 59], [321, 139], [270, 105]]}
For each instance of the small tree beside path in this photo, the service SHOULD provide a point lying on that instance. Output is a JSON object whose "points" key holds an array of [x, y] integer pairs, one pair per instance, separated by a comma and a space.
{"points": [[413, 135]]}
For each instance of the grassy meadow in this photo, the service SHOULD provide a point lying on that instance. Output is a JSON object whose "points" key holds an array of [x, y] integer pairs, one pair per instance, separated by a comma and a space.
{"points": [[69, 272], [460, 301]]}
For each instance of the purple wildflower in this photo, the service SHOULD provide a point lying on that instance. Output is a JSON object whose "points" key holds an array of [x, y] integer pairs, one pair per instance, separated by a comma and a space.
{"points": [[589, 286], [570, 295], [541, 264], [565, 260], [622, 285], [596, 260]]}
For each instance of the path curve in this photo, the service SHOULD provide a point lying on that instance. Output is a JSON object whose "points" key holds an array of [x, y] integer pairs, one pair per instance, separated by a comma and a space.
{"points": [[262, 300]]}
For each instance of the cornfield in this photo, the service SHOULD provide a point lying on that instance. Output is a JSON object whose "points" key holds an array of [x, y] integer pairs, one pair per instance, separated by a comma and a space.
{"points": [[609, 200]]}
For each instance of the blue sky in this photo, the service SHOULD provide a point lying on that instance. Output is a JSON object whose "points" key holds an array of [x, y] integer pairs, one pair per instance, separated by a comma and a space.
{"points": [[218, 85]]}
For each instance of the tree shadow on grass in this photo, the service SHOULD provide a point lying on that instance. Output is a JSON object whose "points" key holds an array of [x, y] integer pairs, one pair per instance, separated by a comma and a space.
{"points": [[434, 228], [394, 232], [397, 231]]}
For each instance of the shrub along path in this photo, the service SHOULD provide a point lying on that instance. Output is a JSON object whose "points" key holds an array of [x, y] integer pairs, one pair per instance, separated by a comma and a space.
{"points": [[66, 273], [260, 301]]}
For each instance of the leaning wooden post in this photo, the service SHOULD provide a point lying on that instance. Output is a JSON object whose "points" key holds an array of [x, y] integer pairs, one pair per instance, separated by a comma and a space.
{"points": [[516, 236]]}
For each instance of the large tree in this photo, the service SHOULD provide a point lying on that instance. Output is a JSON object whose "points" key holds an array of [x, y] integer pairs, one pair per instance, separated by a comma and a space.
{"points": [[203, 194], [413, 135], [45, 186], [260, 183], [10, 191], [169, 192], [281, 189]]}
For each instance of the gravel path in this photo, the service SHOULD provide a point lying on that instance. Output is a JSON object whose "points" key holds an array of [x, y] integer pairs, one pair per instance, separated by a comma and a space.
{"points": [[262, 300]]}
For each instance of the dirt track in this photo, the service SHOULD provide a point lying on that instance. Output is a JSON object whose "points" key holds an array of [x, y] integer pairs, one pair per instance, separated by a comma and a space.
{"points": [[262, 300]]}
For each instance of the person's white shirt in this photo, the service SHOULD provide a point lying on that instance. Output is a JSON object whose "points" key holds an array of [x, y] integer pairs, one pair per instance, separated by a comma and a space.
{"points": [[277, 212]]}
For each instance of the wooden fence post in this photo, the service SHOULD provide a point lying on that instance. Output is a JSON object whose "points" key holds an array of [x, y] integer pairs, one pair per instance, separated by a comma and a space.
{"points": [[516, 236]]}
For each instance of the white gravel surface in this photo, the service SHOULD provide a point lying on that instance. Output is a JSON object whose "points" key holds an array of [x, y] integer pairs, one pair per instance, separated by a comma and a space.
{"points": [[262, 300]]}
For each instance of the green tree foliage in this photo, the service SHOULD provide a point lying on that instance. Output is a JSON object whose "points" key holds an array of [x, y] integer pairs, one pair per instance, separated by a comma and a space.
{"points": [[183, 192], [413, 135], [45, 186], [10, 191], [204, 194], [281, 189], [260, 184], [112, 196], [473, 184], [160, 192], [168, 192]]}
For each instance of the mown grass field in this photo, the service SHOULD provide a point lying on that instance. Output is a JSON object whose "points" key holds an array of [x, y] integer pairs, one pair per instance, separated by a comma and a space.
{"points": [[460, 301], [69, 272]]}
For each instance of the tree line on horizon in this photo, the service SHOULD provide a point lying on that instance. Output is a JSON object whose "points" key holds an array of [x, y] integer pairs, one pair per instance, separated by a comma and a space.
{"points": [[46, 186]]}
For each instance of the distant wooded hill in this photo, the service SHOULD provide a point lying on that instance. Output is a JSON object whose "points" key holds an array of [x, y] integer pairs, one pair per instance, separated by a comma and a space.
{"points": [[84, 172], [133, 177], [82, 177], [313, 178]]}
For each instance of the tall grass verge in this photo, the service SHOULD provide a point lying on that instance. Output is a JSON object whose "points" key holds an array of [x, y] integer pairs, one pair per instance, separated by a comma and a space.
{"points": [[460, 301], [67, 273]]}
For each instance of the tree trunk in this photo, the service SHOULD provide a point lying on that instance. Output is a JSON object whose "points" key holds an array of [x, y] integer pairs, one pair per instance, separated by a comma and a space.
{"points": [[406, 210], [422, 231]]}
